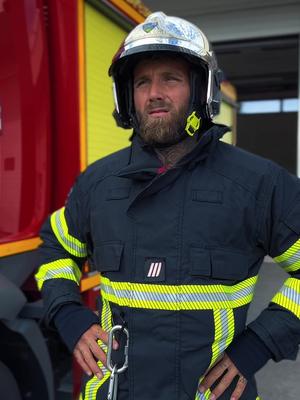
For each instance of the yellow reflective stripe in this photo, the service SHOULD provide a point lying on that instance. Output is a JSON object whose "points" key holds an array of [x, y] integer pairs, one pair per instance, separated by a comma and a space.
{"points": [[61, 231], [178, 297], [203, 396], [290, 259], [224, 333], [289, 296], [63, 268], [94, 384], [293, 267]]}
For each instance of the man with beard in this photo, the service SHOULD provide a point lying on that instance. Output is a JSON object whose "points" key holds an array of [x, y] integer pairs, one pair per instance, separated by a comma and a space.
{"points": [[178, 224], [161, 98]]}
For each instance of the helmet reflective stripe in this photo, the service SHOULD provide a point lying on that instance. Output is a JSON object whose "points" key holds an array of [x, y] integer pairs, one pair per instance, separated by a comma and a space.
{"points": [[115, 97], [162, 33], [209, 90]]}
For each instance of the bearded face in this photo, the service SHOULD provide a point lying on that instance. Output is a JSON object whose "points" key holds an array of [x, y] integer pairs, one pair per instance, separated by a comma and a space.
{"points": [[161, 98], [164, 130]]}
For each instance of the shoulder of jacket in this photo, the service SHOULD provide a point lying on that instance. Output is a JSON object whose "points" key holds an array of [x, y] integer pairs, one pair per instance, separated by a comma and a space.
{"points": [[243, 167], [104, 167]]}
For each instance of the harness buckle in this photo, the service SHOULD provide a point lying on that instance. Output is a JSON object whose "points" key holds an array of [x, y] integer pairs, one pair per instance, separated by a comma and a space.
{"points": [[111, 336]]}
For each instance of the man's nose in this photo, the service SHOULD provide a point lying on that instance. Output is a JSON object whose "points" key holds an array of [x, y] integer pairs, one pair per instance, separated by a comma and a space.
{"points": [[155, 92]]}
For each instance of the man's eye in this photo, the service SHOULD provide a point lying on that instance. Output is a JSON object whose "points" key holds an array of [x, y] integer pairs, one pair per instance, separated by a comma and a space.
{"points": [[172, 78], [140, 83]]}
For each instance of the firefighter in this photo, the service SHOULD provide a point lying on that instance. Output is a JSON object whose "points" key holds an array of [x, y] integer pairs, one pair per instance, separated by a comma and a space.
{"points": [[178, 224]]}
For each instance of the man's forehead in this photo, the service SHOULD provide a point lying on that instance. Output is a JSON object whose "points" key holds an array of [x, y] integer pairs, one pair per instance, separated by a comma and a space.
{"points": [[161, 60]]}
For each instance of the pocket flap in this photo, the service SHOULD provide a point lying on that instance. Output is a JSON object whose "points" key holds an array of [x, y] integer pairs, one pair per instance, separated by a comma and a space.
{"points": [[230, 265], [292, 220], [200, 262], [107, 256]]}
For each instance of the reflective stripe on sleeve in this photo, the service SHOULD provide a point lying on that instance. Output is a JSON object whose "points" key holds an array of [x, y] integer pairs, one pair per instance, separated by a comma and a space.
{"points": [[289, 296], [290, 259], [61, 231], [178, 297], [63, 268], [94, 384], [224, 333]]}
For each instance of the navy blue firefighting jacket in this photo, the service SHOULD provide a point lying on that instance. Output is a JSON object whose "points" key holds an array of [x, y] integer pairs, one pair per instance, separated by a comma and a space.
{"points": [[179, 254]]}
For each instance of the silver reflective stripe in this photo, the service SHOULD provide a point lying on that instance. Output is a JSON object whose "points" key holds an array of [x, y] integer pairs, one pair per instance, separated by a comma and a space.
{"points": [[70, 242], [291, 260], [178, 297], [94, 384], [291, 294]]}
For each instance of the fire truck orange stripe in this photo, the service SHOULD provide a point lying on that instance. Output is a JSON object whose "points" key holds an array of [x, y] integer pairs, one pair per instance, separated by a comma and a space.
{"points": [[8, 249]]}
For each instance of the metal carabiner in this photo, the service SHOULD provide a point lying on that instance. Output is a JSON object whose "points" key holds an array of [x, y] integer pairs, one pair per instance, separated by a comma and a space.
{"points": [[109, 364]]}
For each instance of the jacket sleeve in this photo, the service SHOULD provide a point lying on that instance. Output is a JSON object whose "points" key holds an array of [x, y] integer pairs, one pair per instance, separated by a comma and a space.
{"points": [[63, 252], [278, 326]]}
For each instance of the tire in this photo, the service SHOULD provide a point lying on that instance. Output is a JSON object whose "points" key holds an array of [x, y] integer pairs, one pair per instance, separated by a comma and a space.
{"points": [[8, 385]]}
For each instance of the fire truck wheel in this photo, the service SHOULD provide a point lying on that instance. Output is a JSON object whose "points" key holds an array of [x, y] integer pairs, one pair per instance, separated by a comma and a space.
{"points": [[8, 385]]}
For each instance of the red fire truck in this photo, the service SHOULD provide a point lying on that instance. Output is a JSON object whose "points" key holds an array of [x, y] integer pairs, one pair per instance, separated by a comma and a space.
{"points": [[55, 118]]}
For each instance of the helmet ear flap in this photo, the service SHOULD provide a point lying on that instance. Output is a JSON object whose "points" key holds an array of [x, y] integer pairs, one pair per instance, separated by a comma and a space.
{"points": [[119, 121], [198, 84], [123, 97], [216, 92]]}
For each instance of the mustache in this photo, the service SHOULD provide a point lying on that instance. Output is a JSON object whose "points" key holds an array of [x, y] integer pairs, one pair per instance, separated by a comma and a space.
{"points": [[161, 105]]}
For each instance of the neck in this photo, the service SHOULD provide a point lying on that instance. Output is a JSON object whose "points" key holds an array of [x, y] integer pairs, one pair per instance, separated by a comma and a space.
{"points": [[171, 155]]}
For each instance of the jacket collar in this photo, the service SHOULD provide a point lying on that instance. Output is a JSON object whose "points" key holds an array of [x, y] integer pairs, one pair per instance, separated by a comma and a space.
{"points": [[144, 163]]}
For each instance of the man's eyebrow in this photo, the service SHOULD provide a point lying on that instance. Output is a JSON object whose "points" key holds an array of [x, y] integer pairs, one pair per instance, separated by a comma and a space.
{"points": [[173, 72], [143, 76], [166, 72]]}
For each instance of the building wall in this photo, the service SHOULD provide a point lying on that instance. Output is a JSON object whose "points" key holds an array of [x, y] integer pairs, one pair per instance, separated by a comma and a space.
{"points": [[273, 136]]}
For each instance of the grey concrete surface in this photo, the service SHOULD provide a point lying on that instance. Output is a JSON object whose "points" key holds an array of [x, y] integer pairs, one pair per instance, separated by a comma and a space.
{"points": [[276, 381]]}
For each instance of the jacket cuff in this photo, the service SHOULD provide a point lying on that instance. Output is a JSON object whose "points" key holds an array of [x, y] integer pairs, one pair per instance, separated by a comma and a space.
{"points": [[71, 321], [248, 353], [56, 293]]}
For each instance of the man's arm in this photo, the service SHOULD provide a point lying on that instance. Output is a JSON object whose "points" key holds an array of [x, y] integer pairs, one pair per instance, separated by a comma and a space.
{"points": [[62, 254], [276, 332]]}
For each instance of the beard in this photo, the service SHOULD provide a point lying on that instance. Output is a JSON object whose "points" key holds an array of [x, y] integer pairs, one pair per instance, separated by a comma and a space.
{"points": [[162, 131]]}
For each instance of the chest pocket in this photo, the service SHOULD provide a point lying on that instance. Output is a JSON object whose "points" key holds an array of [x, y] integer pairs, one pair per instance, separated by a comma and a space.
{"points": [[107, 256], [207, 196], [219, 264]]}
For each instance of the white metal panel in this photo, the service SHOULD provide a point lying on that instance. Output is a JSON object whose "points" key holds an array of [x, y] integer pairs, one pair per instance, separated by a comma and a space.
{"points": [[251, 23], [224, 20]]}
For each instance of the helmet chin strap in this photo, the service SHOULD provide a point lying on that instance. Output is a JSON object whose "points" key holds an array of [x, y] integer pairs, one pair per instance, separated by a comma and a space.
{"points": [[193, 124]]}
